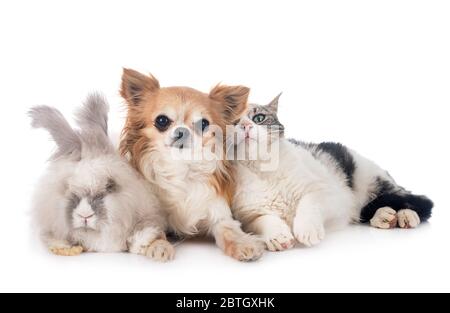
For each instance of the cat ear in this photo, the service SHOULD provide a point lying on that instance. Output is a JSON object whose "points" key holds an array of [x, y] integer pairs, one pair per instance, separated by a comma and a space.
{"points": [[273, 106], [234, 100], [135, 85]]}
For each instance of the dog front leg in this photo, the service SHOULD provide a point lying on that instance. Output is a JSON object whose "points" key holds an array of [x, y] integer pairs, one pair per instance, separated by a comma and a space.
{"points": [[232, 239]]}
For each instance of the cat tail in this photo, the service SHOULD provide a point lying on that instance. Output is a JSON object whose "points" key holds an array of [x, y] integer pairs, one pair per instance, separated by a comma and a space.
{"points": [[422, 205], [397, 198]]}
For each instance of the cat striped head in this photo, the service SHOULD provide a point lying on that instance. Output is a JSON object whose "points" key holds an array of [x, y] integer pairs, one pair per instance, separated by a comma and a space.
{"points": [[259, 125]]}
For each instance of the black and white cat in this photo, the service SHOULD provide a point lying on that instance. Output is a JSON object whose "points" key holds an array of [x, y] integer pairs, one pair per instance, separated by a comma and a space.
{"points": [[313, 188]]}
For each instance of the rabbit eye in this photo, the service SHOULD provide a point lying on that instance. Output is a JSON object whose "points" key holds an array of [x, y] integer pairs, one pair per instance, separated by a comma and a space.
{"points": [[99, 197], [74, 201], [112, 186]]}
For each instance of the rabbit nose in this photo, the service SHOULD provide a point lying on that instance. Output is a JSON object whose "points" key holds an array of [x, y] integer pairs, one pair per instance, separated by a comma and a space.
{"points": [[86, 217]]}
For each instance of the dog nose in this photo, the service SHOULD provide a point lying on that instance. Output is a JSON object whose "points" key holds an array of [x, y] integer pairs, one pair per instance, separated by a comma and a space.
{"points": [[181, 137], [181, 133]]}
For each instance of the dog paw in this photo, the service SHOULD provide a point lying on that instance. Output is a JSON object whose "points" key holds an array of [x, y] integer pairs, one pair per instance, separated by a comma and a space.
{"points": [[309, 234], [161, 251], [408, 219], [66, 251], [246, 249], [384, 218], [280, 241]]}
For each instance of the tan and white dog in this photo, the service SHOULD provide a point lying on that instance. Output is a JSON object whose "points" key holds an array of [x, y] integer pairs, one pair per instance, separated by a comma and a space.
{"points": [[165, 127]]}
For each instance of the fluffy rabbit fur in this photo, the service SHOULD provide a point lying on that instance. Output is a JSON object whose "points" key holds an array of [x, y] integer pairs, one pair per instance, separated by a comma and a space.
{"points": [[90, 199]]}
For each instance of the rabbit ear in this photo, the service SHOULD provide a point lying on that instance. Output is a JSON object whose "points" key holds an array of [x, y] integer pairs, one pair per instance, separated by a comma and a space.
{"points": [[94, 113], [67, 140], [92, 118]]}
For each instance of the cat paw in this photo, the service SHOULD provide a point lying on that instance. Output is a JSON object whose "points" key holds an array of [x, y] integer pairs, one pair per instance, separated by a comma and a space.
{"points": [[309, 234], [280, 242], [408, 219], [161, 250], [384, 218], [66, 250], [246, 249]]}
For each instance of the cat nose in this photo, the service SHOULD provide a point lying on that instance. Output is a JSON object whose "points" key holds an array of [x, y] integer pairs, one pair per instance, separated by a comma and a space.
{"points": [[86, 217]]}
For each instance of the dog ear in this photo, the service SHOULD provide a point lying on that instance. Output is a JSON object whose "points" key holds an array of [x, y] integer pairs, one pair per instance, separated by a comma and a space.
{"points": [[233, 98], [135, 85]]}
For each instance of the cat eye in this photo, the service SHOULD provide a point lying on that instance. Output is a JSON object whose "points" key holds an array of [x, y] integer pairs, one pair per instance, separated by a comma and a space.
{"points": [[259, 118], [162, 122]]}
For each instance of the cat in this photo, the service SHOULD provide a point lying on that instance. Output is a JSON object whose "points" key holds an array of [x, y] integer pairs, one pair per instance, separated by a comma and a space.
{"points": [[314, 188]]}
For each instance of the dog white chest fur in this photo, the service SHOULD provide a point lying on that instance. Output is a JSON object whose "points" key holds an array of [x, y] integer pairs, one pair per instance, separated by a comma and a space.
{"points": [[188, 196]]}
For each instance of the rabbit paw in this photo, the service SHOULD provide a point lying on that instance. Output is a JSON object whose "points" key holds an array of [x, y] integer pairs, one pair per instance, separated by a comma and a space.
{"points": [[66, 251], [161, 250]]}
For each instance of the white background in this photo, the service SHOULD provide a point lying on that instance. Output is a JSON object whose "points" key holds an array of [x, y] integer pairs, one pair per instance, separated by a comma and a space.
{"points": [[372, 74]]}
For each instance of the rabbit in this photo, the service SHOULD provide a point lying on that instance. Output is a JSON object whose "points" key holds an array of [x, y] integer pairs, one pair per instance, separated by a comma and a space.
{"points": [[90, 199]]}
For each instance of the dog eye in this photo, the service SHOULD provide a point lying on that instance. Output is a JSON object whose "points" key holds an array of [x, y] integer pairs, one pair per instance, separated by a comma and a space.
{"points": [[162, 122], [202, 126], [205, 124], [259, 118]]}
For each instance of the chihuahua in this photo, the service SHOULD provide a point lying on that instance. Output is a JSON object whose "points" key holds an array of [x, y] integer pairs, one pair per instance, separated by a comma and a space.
{"points": [[175, 138]]}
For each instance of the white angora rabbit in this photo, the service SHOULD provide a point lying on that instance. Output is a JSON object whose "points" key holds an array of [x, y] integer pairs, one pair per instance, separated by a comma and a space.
{"points": [[90, 199]]}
